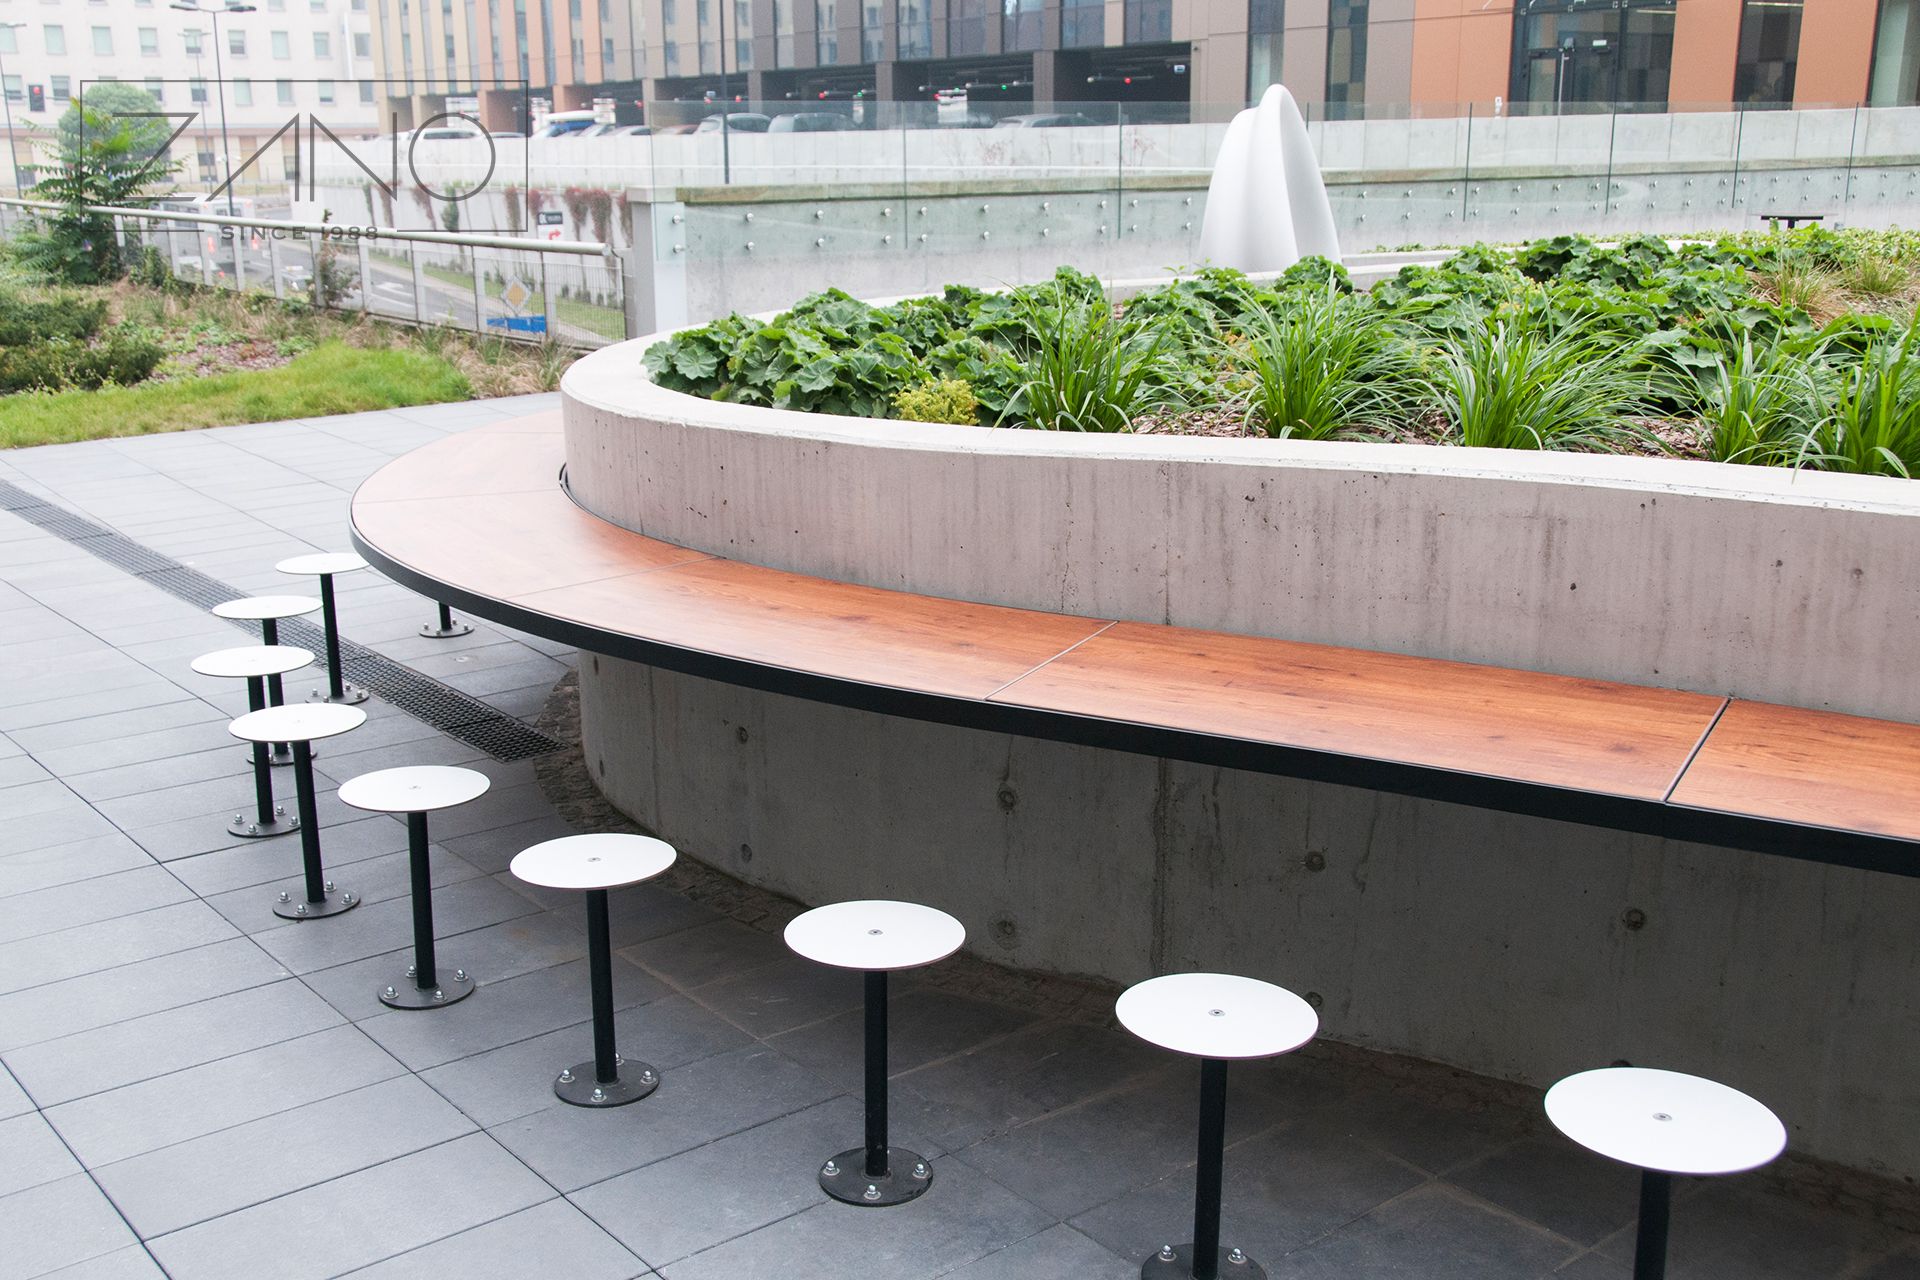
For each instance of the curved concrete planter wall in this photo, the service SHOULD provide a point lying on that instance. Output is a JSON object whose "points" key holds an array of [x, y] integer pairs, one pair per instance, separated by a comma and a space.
{"points": [[1743, 580], [1516, 947]]}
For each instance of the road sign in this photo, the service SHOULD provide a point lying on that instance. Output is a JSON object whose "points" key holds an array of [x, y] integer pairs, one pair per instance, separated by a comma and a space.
{"points": [[519, 324], [516, 293]]}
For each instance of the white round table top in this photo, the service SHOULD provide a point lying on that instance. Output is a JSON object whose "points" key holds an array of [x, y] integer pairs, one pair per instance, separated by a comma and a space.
{"points": [[1217, 1015], [297, 722], [258, 608], [417, 788], [252, 661], [604, 861], [1666, 1121], [875, 935], [320, 562]]}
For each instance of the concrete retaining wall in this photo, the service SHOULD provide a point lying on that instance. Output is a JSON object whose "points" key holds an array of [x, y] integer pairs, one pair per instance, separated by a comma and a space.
{"points": [[1750, 581], [1496, 943]]}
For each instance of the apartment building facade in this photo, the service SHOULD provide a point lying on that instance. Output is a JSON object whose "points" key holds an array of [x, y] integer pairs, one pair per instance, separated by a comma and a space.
{"points": [[260, 65], [1340, 57]]}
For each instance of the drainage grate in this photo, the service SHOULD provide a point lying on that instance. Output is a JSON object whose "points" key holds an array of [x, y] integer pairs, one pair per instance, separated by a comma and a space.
{"points": [[456, 714]]}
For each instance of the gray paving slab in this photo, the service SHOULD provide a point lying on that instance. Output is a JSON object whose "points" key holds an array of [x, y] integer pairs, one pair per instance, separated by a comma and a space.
{"points": [[133, 990], [513, 1009], [103, 1058], [31, 1153], [13, 1099], [1433, 1232], [550, 1239], [516, 1079], [923, 1026], [68, 862], [107, 944], [173, 1187], [107, 897], [963, 1218], [378, 879], [377, 927], [1551, 1181], [447, 1190], [573, 1147], [113, 719], [715, 1193], [19, 769], [1058, 1251], [242, 864], [59, 1224], [130, 1263], [82, 760], [495, 953]]}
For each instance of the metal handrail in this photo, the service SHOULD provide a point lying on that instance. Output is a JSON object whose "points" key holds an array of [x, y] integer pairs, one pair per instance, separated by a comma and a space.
{"points": [[335, 231]]}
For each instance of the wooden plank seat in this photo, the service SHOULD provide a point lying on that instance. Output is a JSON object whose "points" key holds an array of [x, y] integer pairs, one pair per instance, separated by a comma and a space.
{"points": [[482, 521]]}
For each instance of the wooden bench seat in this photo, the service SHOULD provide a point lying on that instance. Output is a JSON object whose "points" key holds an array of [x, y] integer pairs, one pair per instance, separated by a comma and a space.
{"points": [[480, 520]]}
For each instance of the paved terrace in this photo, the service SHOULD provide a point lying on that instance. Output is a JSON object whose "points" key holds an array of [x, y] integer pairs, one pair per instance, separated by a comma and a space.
{"points": [[196, 1088]]}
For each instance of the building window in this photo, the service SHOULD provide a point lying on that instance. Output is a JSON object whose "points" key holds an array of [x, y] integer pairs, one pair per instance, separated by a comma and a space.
{"points": [[1151, 21], [61, 87], [103, 41], [325, 88], [1769, 48], [276, 6], [282, 46], [916, 29], [322, 44], [283, 92], [237, 43], [1082, 23], [8, 43], [826, 33], [1266, 28], [1023, 25], [1896, 55], [16, 88], [56, 36], [193, 41], [362, 45], [197, 90], [317, 6], [1346, 59], [873, 35], [366, 91], [149, 42], [243, 92], [1592, 51]]}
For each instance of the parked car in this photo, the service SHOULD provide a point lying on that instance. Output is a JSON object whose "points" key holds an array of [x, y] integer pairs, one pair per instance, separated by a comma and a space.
{"points": [[1051, 120], [565, 124], [737, 122], [810, 122]]}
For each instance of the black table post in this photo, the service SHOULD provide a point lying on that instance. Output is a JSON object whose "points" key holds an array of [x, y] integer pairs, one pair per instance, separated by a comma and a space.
{"points": [[600, 958], [1650, 1245], [335, 691], [425, 976], [877, 1075], [1207, 1174], [276, 695], [320, 901], [266, 817]]}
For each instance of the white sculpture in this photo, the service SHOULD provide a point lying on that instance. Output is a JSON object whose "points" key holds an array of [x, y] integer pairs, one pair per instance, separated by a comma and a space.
{"points": [[1266, 205]]}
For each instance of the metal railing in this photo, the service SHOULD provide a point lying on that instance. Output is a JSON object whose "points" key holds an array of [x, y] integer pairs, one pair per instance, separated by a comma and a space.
{"points": [[566, 291]]}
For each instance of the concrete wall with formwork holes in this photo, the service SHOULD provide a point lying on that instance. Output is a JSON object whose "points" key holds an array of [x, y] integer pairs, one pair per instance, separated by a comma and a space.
{"points": [[1513, 947], [1756, 582]]}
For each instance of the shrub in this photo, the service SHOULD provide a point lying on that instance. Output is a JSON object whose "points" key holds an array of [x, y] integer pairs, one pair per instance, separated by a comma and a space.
{"points": [[1513, 385], [24, 321], [1873, 421], [1323, 365], [941, 400], [125, 356], [1087, 370]]}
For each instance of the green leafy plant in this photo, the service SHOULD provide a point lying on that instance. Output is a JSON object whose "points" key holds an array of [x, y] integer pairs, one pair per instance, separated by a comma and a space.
{"points": [[940, 400], [1085, 369], [1872, 423], [1322, 365], [1760, 406], [1515, 385], [109, 162]]}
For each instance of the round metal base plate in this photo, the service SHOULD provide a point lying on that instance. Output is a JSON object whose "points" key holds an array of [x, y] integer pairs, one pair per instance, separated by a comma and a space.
{"points": [[350, 695], [248, 827], [908, 1176], [279, 759], [331, 905], [404, 994], [577, 1085], [436, 633], [1180, 1266]]}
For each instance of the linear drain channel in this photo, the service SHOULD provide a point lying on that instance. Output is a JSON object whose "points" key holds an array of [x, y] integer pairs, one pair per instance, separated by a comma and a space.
{"points": [[456, 714]]}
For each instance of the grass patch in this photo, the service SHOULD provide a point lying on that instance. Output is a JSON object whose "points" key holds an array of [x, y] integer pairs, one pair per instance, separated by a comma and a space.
{"points": [[331, 378]]}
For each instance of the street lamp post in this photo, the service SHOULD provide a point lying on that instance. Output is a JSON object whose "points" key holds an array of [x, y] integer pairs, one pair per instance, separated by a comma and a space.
{"points": [[220, 80], [13, 150]]}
